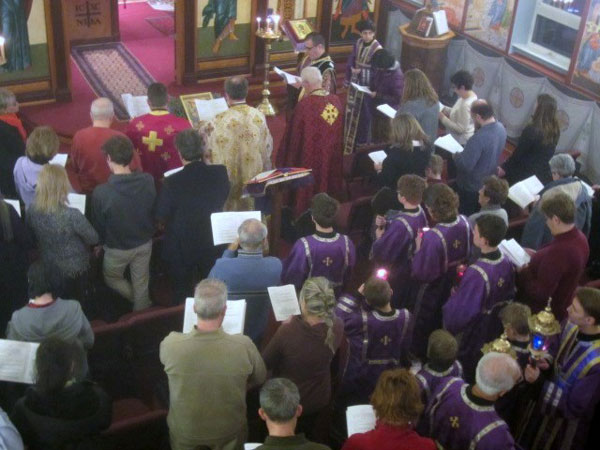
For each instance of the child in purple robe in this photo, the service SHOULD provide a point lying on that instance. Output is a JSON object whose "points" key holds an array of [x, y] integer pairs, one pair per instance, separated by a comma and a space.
{"points": [[462, 416], [486, 286], [441, 363], [571, 391], [378, 336], [395, 244], [439, 251], [323, 254]]}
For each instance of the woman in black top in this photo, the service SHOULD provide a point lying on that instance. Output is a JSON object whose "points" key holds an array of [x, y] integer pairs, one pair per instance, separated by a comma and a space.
{"points": [[408, 152], [536, 144]]}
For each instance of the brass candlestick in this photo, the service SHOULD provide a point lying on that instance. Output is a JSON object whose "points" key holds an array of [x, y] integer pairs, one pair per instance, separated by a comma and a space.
{"points": [[268, 34]]}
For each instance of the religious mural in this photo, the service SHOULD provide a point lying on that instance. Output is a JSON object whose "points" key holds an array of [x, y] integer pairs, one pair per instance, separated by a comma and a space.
{"points": [[346, 15], [23, 25], [454, 11], [587, 70], [223, 28], [290, 10], [489, 21]]}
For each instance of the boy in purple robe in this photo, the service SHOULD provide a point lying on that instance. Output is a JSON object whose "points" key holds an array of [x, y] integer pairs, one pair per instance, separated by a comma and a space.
{"points": [[462, 416], [439, 251], [571, 391], [323, 254], [486, 286], [441, 363], [378, 336], [394, 246]]}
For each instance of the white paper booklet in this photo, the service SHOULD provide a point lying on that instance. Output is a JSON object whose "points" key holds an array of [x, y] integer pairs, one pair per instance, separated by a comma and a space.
{"points": [[60, 159], [136, 105], [587, 187], [18, 361], [225, 225], [525, 192], [251, 445], [441, 22], [378, 156], [234, 320], [417, 143], [15, 204], [387, 110], [360, 88], [449, 144], [77, 201], [360, 419], [513, 250], [284, 301], [441, 106], [208, 109], [168, 173], [288, 77]]}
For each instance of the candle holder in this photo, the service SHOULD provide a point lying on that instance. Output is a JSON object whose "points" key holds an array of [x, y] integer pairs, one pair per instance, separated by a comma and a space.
{"points": [[543, 326], [269, 33], [500, 345]]}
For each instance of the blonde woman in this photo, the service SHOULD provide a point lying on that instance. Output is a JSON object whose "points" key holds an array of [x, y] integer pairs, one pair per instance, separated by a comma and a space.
{"points": [[458, 120], [420, 99], [42, 145], [303, 348], [63, 234], [408, 152]]}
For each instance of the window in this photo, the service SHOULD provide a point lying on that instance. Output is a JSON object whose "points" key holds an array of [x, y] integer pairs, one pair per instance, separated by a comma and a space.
{"points": [[546, 30]]}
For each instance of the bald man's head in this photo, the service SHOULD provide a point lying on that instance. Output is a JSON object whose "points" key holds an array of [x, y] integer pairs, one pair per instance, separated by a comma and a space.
{"points": [[102, 109], [236, 88], [252, 234]]}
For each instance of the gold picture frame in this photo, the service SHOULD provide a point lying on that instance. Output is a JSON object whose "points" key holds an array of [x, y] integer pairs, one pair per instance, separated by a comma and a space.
{"points": [[190, 107]]}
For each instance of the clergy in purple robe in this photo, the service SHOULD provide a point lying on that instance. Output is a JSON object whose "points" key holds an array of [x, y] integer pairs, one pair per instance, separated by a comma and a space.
{"points": [[486, 286], [441, 363], [571, 394], [378, 335], [462, 416], [357, 126], [394, 246], [324, 254], [439, 251], [387, 86]]}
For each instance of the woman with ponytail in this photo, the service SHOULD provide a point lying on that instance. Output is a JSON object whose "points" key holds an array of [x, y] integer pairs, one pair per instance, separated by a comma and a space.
{"points": [[304, 346]]}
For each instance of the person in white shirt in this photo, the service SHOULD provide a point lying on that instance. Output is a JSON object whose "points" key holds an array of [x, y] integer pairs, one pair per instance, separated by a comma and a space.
{"points": [[458, 120]]}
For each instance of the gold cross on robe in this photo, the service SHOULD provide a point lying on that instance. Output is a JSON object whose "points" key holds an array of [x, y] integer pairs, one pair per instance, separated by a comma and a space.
{"points": [[454, 422], [385, 340], [328, 261], [456, 243], [152, 140]]}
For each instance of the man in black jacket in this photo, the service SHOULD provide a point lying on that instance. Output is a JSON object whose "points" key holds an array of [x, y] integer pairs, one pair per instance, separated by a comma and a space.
{"points": [[185, 203], [122, 215]]}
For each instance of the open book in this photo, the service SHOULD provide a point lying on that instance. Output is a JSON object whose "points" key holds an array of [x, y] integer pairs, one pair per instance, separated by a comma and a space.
{"points": [[60, 159], [288, 77], [360, 419], [77, 201], [136, 105], [234, 320], [441, 22], [378, 156], [168, 173], [15, 204], [284, 301], [18, 361], [225, 225], [514, 252], [587, 187], [449, 144], [209, 109], [525, 192], [387, 110], [360, 88]]}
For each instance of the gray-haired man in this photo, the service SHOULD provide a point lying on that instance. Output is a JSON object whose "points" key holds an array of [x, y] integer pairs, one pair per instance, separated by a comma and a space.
{"points": [[280, 408], [209, 372]]}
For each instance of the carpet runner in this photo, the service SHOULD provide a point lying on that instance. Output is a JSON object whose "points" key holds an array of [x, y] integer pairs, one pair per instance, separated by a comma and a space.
{"points": [[164, 24], [111, 70]]}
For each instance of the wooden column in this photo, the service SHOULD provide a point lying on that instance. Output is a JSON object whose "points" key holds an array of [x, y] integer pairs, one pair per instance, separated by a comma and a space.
{"points": [[60, 58], [186, 41]]}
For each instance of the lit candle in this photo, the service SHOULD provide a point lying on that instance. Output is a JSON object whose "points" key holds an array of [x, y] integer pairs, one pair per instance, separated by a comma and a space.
{"points": [[276, 21], [268, 23], [258, 22]]}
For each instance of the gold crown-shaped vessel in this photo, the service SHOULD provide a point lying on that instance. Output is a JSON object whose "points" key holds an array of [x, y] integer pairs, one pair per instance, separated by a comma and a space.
{"points": [[500, 345], [544, 322]]}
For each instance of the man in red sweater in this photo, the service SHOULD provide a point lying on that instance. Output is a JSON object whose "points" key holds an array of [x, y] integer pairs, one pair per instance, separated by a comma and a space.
{"points": [[555, 269], [87, 166]]}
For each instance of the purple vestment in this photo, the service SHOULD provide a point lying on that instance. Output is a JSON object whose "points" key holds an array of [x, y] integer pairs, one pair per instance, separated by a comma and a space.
{"points": [[317, 256], [429, 379], [377, 342], [458, 421], [472, 310], [567, 402], [395, 249], [433, 271]]}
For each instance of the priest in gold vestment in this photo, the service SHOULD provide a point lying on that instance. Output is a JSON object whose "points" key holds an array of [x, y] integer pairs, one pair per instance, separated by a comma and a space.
{"points": [[240, 140]]}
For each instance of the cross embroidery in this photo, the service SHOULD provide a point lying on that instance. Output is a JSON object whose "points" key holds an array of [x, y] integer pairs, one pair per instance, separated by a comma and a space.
{"points": [[139, 126], [165, 156], [330, 114], [456, 244], [328, 261], [169, 130], [385, 340], [152, 140], [454, 422], [500, 282]]}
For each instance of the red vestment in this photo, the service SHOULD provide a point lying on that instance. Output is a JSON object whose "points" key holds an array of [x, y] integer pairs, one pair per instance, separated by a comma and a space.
{"points": [[153, 137], [314, 140]]}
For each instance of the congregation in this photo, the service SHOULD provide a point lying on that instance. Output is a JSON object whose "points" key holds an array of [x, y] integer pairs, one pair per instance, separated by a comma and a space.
{"points": [[406, 312]]}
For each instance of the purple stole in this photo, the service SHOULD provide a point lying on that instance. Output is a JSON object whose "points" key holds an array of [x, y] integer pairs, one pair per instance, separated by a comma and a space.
{"points": [[377, 342], [315, 256], [444, 247], [395, 250], [486, 287], [457, 423], [565, 403], [429, 379]]}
